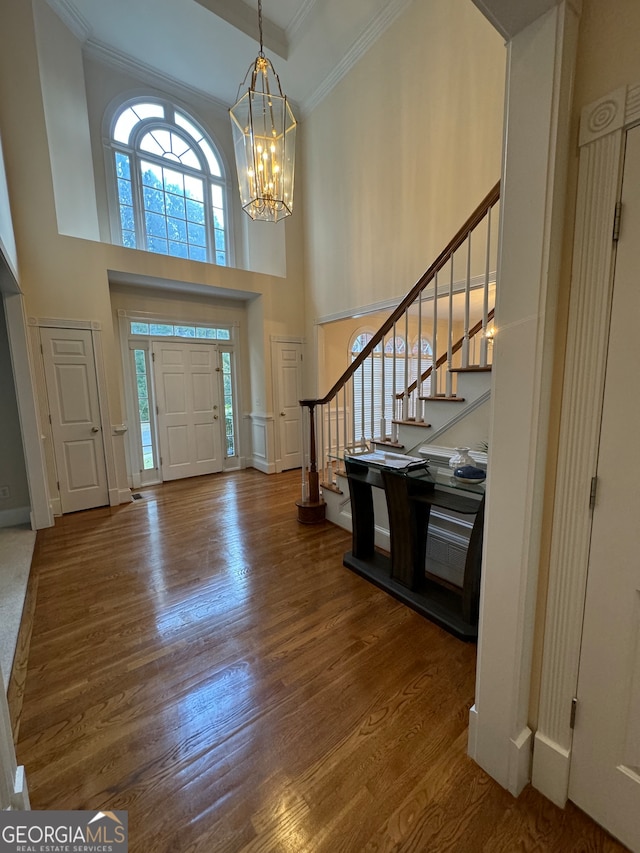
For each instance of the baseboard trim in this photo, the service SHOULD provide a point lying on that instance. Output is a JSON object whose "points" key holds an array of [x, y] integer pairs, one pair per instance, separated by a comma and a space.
{"points": [[119, 496], [520, 761], [518, 773], [15, 516], [472, 738], [550, 774], [263, 465]]}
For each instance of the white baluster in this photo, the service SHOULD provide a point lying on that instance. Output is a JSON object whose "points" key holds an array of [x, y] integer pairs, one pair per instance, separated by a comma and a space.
{"points": [[383, 413], [405, 398], [434, 369], [484, 342], [467, 292], [450, 336]]}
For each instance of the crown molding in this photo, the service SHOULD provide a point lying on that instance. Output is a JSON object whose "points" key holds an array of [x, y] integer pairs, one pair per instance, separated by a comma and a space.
{"points": [[376, 28], [104, 53], [71, 18], [298, 19]]}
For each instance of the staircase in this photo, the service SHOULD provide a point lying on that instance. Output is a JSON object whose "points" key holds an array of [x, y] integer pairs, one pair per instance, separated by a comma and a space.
{"points": [[425, 369]]}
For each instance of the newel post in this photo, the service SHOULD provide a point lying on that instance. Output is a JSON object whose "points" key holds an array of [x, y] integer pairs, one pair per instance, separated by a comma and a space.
{"points": [[311, 507]]}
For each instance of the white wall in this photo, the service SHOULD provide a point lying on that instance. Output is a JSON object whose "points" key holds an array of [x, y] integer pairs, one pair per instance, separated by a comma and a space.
{"points": [[14, 509], [65, 107]]}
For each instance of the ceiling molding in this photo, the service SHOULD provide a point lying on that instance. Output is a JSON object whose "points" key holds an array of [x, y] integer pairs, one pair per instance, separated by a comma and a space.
{"points": [[71, 18], [298, 19], [244, 18], [511, 18], [357, 50], [101, 52]]}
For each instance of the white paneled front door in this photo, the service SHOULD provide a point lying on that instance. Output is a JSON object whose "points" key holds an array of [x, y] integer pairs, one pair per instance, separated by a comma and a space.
{"points": [[605, 765], [288, 367], [189, 414], [72, 392]]}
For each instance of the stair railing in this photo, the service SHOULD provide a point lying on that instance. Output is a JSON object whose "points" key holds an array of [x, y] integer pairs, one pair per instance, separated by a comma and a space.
{"points": [[439, 328]]}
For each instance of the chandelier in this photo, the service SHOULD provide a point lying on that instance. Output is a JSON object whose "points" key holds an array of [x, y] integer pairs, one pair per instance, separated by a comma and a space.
{"points": [[264, 139]]}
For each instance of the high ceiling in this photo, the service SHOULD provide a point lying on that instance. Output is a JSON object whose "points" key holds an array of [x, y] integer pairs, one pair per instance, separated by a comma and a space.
{"points": [[208, 45]]}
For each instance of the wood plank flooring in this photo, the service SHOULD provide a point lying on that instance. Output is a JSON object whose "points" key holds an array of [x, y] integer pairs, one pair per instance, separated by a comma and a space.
{"points": [[204, 661]]}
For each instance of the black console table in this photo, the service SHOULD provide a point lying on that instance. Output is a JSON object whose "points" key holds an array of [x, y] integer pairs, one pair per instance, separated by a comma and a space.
{"points": [[411, 490]]}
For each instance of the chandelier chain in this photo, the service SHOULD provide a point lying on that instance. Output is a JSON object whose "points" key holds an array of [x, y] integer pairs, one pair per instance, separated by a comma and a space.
{"points": [[260, 26]]}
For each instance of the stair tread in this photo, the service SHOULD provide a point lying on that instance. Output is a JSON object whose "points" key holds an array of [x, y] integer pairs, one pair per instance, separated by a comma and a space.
{"points": [[331, 487], [388, 443], [411, 423], [442, 399], [475, 368]]}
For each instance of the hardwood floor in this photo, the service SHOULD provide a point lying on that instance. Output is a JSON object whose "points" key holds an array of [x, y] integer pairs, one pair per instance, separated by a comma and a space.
{"points": [[204, 661]]}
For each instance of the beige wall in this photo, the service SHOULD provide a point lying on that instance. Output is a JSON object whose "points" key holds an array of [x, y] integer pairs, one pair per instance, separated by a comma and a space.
{"points": [[399, 154]]}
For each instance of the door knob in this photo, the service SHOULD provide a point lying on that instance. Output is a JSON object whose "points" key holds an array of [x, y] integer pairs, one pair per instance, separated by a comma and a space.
{"points": [[95, 429], [282, 414], [215, 417]]}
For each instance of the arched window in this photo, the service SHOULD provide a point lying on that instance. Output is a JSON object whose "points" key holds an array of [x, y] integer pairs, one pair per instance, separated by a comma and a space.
{"points": [[170, 183], [379, 379]]}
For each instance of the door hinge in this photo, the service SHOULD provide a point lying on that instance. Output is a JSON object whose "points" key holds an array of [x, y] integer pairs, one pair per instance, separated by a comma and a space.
{"points": [[593, 492], [574, 707], [58, 484], [153, 356], [617, 216], [157, 411], [50, 421], [161, 460]]}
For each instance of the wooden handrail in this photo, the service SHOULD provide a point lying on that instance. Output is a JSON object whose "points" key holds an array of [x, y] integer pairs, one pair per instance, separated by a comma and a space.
{"points": [[476, 217], [473, 331]]}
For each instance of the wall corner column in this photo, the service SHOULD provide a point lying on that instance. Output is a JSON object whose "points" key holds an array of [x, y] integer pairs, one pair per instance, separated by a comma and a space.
{"points": [[541, 61]]}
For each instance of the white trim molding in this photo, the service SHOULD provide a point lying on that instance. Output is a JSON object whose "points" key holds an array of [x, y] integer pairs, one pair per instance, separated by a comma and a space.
{"points": [[13, 782], [541, 61], [602, 137], [263, 442], [25, 373]]}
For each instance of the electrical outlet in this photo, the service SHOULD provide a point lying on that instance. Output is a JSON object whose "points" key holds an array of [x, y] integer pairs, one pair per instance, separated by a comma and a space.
{"points": [[5, 492]]}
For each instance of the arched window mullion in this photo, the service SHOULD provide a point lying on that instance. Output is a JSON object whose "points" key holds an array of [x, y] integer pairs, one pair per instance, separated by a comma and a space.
{"points": [[187, 229]]}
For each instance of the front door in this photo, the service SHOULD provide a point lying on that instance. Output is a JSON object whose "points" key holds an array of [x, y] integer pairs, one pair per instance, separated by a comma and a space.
{"points": [[605, 765], [187, 394], [288, 363], [72, 392]]}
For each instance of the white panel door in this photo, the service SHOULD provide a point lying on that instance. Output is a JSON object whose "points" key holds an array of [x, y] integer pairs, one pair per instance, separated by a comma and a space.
{"points": [[605, 766], [288, 365], [189, 431], [72, 392]]}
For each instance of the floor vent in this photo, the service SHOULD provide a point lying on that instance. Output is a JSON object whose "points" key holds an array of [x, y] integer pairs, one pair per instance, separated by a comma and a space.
{"points": [[136, 496]]}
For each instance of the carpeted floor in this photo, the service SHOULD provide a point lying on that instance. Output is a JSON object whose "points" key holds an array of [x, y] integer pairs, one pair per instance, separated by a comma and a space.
{"points": [[16, 549]]}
